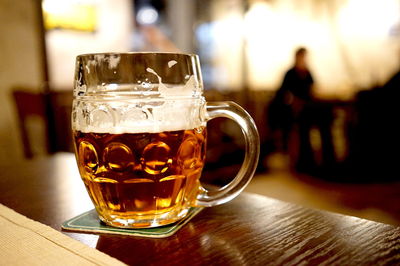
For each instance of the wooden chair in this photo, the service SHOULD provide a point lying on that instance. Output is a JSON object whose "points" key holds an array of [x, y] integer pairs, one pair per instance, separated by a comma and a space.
{"points": [[54, 108]]}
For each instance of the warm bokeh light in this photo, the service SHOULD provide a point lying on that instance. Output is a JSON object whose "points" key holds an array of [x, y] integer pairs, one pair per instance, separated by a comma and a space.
{"points": [[368, 18], [350, 43], [114, 26], [76, 15], [147, 15], [265, 40], [364, 28], [227, 58]]}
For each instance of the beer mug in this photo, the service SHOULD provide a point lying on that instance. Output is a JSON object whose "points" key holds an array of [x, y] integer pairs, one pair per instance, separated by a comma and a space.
{"points": [[139, 127]]}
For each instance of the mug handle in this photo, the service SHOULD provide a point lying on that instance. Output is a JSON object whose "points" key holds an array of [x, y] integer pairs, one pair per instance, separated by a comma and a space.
{"points": [[208, 198]]}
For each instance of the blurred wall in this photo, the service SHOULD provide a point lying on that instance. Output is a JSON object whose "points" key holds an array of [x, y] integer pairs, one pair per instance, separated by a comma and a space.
{"points": [[227, 59], [181, 17], [20, 66], [22, 58], [114, 31]]}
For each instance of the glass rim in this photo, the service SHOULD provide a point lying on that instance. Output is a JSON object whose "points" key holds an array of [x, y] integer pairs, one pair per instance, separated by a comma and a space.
{"points": [[135, 53], [132, 97]]}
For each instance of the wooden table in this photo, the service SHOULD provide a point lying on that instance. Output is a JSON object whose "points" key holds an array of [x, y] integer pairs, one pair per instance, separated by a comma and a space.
{"points": [[250, 230]]}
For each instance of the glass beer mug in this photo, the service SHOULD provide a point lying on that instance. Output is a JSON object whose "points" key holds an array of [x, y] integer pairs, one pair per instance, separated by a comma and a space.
{"points": [[139, 126]]}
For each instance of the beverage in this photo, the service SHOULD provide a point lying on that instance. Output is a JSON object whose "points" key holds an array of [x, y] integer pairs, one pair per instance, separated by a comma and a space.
{"points": [[139, 124], [134, 177]]}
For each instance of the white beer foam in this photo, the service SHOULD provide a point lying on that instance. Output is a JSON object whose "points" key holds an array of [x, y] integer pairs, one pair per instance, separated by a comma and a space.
{"points": [[122, 117], [174, 108]]}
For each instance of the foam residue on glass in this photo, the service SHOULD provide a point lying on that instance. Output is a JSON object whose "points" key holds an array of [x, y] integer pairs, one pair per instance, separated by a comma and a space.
{"points": [[80, 88], [189, 89], [142, 88], [141, 107]]}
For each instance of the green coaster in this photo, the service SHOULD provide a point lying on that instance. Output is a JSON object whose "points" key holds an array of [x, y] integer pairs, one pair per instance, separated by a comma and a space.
{"points": [[89, 222]]}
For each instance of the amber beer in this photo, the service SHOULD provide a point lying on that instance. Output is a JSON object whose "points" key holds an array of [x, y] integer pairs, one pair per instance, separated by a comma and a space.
{"points": [[139, 123], [141, 176]]}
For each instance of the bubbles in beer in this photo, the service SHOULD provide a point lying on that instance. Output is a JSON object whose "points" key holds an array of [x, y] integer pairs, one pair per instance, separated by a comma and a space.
{"points": [[156, 158], [141, 175], [170, 190], [189, 153], [118, 156], [88, 157]]}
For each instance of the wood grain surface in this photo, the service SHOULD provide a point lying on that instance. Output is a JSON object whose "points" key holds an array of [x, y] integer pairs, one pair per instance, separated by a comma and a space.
{"points": [[250, 230]]}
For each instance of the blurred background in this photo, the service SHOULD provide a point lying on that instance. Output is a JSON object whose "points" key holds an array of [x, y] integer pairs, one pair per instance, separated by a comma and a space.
{"points": [[327, 116]]}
